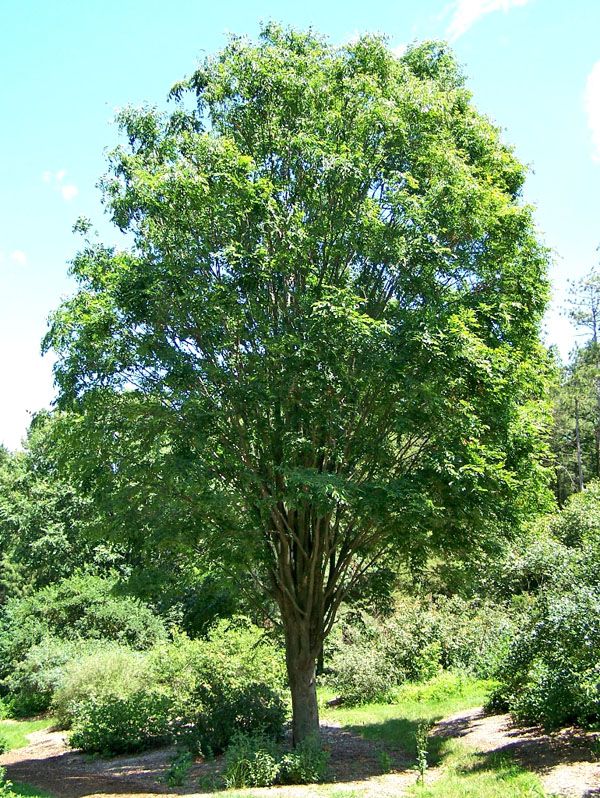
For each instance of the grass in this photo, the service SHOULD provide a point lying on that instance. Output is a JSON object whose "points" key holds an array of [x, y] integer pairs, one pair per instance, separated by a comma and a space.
{"points": [[471, 775], [395, 724], [463, 773], [15, 734]]}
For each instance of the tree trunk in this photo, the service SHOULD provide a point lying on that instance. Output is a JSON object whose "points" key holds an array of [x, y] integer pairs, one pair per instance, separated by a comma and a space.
{"points": [[305, 710], [578, 443]]}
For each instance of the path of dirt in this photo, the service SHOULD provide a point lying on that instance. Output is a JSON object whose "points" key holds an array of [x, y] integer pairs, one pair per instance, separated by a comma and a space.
{"points": [[564, 762]]}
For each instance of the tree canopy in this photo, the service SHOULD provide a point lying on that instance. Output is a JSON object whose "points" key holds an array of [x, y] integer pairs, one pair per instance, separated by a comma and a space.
{"points": [[321, 342]]}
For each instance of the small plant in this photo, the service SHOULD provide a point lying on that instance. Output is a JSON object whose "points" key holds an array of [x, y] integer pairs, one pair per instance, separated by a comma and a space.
{"points": [[210, 782], [421, 739], [6, 790], [179, 768], [251, 760], [3, 745], [385, 761], [306, 764]]}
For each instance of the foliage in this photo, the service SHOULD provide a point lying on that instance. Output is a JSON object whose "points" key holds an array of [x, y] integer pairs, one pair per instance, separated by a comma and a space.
{"points": [[111, 671], [6, 786], [370, 657], [306, 764], [110, 725], [34, 679], [360, 674], [83, 606], [251, 760], [550, 672], [43, 518], [178, 769], [218, 711], [421, 739], [322, 342]]}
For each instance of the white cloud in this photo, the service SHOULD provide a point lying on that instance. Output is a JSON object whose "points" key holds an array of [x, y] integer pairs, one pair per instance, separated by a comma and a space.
{"points": [[467, 12], [19, 257], [399, 49], [69, 191], [591, 104]]}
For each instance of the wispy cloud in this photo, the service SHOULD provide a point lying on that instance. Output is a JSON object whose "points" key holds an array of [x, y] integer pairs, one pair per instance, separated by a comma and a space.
{"points": [[591, 103], [468, 12], [399, 50], [19, 257], [68, 191]]}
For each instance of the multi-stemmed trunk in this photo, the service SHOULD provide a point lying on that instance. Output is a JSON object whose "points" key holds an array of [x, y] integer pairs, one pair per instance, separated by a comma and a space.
{"points": [[301, 661], [304, 580]]}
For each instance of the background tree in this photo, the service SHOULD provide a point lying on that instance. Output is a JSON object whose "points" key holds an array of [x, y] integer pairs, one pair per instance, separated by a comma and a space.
{"points": [[326, 323], [576, 398]]}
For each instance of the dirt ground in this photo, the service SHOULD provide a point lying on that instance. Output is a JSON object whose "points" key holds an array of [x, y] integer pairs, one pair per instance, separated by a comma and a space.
{"points": [[564, 761]]}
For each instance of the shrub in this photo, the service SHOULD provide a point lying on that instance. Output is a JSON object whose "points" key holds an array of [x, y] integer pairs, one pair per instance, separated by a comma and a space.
{"points": [[81, 607], [111, 725], [6, 790], [251, 760], [234, 681], [361, 674], [38, 674], [370, 657], [222, 710], [111, 671], [306, 764], [179, 769], [3, 745], [199, 693], [551, 673]]}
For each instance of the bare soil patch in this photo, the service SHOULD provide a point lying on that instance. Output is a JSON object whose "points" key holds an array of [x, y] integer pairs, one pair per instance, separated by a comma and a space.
{"points": [[48, 764], [565, 762]]}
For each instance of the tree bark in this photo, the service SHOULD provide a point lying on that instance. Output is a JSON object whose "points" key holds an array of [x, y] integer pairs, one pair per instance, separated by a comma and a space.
{"points": [[305, 710]]}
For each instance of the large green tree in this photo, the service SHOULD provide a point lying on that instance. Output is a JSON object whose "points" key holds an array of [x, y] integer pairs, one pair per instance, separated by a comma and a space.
{"points": [[321, 343]]}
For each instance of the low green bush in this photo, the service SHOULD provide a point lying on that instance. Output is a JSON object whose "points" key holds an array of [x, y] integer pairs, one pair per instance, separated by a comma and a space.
{"points": [[219, 711], [6, 790], [254, 760], [306, 764], [179, 768], [111, 725], [3, 745], [361, 675], [551, 672], [197, 693], [233, 681], [35, 678], [81, 606], [111, 671], [251, 760]]}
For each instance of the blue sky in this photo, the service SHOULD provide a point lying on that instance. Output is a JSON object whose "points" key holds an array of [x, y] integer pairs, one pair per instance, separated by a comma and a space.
{"points": [[533, 67]]}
